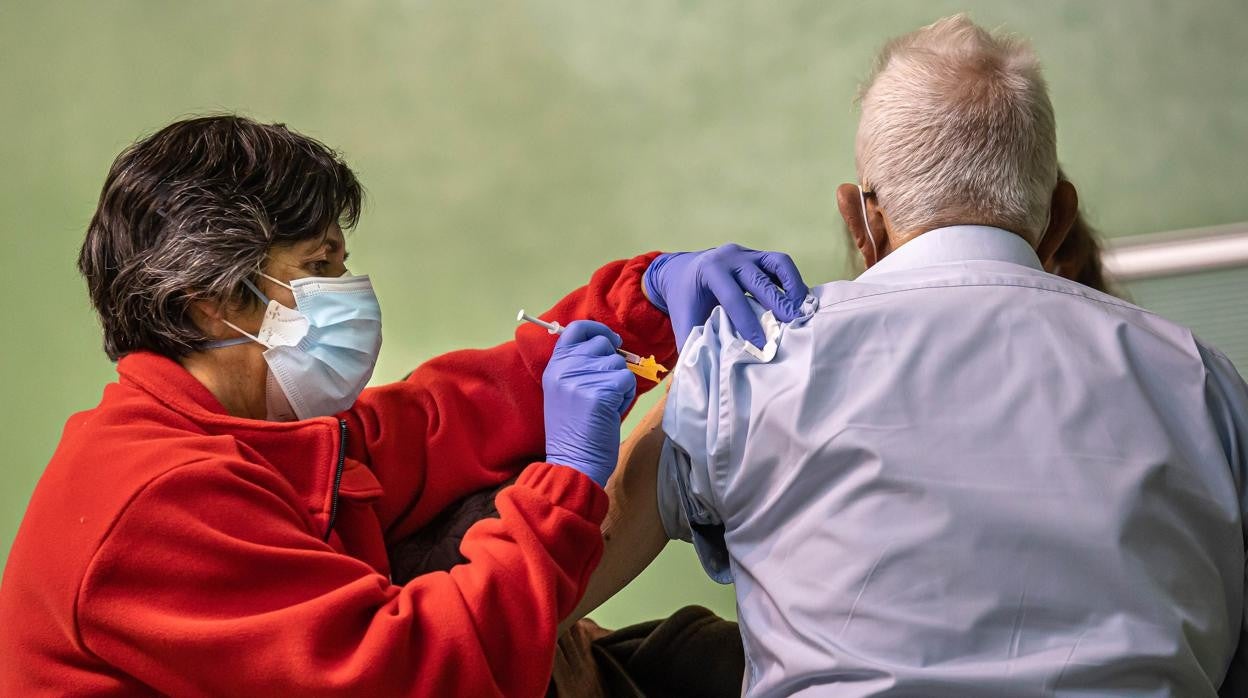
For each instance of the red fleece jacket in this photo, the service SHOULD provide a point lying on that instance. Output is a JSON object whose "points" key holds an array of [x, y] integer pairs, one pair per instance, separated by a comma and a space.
{"points": [[172, 548]]}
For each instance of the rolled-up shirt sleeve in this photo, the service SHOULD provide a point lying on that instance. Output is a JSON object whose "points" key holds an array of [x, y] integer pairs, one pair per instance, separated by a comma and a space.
{"points": [[694, 445], [705, 432], [686, 515]]}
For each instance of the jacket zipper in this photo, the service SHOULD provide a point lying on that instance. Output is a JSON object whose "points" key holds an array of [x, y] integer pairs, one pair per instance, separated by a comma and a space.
{"points": [[342, 457]]}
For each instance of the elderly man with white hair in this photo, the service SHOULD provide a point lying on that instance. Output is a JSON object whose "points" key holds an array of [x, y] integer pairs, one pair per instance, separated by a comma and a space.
{"points": [[958, 475]]}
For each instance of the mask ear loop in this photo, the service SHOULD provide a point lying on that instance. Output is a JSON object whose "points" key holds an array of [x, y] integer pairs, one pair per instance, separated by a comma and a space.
{"points": [[862, 199], [222, 343], [256, 289], [276, 281], [247, 336]]}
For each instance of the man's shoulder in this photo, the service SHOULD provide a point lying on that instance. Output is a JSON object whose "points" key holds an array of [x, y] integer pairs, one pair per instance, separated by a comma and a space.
{"points": [[947, 293], [985, 298], [995, 281]]}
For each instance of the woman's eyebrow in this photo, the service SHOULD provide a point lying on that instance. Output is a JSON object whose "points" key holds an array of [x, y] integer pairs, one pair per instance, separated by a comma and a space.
{"points": [[326, 246], [313, 253]]}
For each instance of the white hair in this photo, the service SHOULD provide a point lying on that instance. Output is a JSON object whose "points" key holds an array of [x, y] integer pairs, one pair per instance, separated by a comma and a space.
{"points": [[957, 128]]}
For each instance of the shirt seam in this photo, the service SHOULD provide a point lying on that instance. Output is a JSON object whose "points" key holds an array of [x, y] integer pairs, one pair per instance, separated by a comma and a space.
{"points": [[1116, 302]]}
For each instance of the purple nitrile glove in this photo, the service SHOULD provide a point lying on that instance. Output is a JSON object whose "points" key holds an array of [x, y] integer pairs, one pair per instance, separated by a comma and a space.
{"points": [[587, 389], [688, 285]]}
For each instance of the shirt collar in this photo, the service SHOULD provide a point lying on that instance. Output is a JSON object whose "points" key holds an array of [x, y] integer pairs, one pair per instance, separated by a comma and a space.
{"points": [[958, 243]]}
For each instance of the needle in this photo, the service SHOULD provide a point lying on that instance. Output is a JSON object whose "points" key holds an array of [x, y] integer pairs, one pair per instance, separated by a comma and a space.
{"points": [[646, 367]]}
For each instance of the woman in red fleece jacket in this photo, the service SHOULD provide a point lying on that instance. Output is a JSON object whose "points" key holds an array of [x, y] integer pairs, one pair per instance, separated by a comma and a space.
{"points": [[218, 524]]}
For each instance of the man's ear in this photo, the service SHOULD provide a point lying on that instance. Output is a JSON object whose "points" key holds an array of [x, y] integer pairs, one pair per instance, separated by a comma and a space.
{"points": [[850, 203], [1062, 211]]}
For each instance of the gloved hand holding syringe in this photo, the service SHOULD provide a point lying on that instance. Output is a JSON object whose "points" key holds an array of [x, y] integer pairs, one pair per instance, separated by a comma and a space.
{"points": [[645, 367]]}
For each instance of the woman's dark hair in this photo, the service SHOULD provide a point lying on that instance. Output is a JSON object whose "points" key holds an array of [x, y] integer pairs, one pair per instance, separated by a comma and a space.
{"points": [[189, 212]]}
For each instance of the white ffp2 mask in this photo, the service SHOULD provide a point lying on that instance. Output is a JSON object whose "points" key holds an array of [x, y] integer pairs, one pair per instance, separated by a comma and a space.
{"points": [[321, 353]]}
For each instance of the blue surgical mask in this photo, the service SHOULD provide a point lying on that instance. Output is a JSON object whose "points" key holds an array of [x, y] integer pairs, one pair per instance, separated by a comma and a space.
{"points": [[322, 352]]}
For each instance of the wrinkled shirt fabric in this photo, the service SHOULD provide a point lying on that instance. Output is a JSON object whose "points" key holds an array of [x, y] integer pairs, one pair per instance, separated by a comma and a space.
{"points": [[959, 475]]}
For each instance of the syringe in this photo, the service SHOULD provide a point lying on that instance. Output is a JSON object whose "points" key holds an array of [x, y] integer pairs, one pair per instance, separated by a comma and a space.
{"points": [[646, 367]]}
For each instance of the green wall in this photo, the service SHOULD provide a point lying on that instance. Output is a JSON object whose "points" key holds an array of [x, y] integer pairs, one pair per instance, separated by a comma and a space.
{"points": [[509, 148]]}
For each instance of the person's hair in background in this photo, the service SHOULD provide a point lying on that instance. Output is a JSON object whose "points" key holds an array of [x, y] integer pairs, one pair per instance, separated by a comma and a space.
{"points": [[189, 212], [1079, 256], [944, 140]]}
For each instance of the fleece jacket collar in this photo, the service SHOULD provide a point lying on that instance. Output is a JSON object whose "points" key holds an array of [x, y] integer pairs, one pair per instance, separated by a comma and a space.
{"points": [[310, 453]]}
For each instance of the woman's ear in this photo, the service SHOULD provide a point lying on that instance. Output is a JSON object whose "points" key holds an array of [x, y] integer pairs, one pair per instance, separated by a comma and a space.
{"points": [[209, 317], [854, 209], [1063, 208]]}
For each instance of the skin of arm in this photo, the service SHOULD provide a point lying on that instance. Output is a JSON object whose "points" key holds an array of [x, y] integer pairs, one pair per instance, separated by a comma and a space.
{"points": [[632, 532]]}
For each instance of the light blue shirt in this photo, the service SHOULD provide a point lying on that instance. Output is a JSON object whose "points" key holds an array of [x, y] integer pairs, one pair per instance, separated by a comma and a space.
{"points": [[962, 476]]}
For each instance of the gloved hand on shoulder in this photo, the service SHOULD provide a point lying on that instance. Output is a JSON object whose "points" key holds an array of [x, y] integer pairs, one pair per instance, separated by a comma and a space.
{"points": [[688, 285], [587, 389]]}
